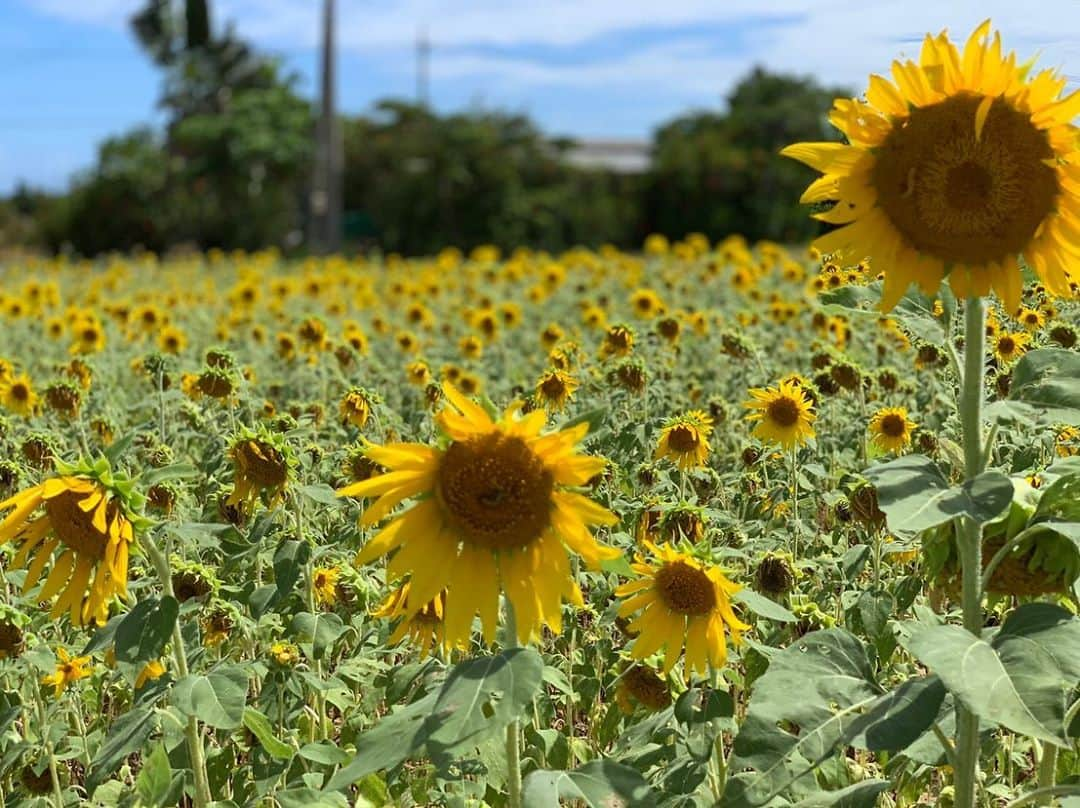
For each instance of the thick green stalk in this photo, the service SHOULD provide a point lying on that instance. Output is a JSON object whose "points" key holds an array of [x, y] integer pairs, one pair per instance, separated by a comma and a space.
{"points": [[513, 765], [1048, 771], [969, 536], [203, 796]]}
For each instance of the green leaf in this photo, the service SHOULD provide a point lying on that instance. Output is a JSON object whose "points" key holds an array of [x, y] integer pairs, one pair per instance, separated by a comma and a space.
{"points": [[309, 798], [176, 471], [217, 698], [820, 684], [156, 784], [326, 753], [1048, 380], [129, 733], [479, 698], [321, 630], [320, 493], [1039, 647], [860, 795], [600, 783], [898, 719], [975, 675], [763, 606], [915, 311], [915, 495], [260, 727], [594, 418], [143, 634], [701, 704]]}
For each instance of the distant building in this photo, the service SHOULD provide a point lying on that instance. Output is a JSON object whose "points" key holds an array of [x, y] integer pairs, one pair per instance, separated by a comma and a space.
{"points": [[617, 156]]}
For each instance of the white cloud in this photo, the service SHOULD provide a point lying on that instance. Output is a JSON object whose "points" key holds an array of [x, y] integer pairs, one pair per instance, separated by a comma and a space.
{"points": [[838, 40]]}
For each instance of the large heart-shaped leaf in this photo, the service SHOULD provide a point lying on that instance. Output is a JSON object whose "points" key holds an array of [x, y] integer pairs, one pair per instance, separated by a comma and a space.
{"points": [[217, 698], [1048, 381], [600, 783], [915, 495]]}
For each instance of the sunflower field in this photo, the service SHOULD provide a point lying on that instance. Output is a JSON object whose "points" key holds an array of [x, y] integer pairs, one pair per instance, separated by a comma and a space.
{"points": [[708, 523]]}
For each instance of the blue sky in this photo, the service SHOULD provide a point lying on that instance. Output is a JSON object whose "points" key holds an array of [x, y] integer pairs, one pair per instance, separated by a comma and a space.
{"points": [[72, 73]]}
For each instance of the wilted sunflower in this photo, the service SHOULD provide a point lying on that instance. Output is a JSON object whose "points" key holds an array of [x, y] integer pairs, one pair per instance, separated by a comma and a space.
{"points": [[784, 414], [964, 162], [680, 598], [685, 439], [641, 685], [85, 531], [261, 463], [355, 408], [891, 429], [423, 626], [494, 514], [17, 395], [1010, 346], [68, 669], [555, 389]]}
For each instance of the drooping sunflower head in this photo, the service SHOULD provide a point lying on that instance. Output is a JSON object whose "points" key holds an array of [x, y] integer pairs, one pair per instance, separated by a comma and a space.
{"points": [[685, 439], [962, 164], [355, 407], [262, 462], [497, 515], [891, 429], [324, 582], [680, 601], [641, 685], [83, 529], [784, 415]]}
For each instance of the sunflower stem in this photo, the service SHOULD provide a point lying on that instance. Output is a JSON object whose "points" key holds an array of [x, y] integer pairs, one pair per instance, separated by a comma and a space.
{"points": [[1047, 772], [969, 536], [54, 774], [203, 795], [513, 765], [795, 500]]}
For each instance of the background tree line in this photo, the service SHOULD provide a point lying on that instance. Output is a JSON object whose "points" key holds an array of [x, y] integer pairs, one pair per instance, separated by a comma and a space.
{"points": [[232, 166]]}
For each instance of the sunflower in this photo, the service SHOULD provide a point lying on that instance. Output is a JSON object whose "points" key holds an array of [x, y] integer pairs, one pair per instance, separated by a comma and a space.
{"points": [[641, 685], [555, 389], [172, 340], [892, 429], [261, 464], [424, 627], [618, 341], [17, 394], [324, 583], [680, 598], [646, 303], [494, 514], [1031, 319], [784, 413], [89, 337], [85, 531], [68, 669], [963, 163], [685, 439], [1010, 346], [150, 672], [355, 408]]}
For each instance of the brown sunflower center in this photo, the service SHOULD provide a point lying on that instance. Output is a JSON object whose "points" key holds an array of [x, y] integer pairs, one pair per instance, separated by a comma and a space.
{"points": [[684, 438], [1006, 345], [960, 198], [260, 463], [553, 388], [648, 688], [893, 425], [685, 589], [783, 411], [495, 491], [20, 392], [75, 527]]}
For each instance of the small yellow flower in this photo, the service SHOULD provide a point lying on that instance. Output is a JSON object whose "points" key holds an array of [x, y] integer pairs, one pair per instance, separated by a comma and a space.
{"points": [[324, 582], [68, 669], [891, 429]]}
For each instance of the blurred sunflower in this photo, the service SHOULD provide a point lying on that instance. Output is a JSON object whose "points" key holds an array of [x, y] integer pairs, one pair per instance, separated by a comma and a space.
{"points": [[966, 161], [85, 531], [68, 669], [784, 414], [261, 462], [324, 583], [891, 429], [1010, 346], [494, 514], [355, 408], [555, 389], [423, 626], [680, 599], [17, 395], [685, 440]]}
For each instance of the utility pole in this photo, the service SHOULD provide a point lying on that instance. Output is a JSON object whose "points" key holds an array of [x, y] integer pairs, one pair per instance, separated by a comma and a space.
{"points": [[326, 192], [423, 67]]}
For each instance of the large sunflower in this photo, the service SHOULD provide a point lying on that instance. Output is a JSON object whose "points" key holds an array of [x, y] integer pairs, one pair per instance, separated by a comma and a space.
{"points": [[680, 598], [85, 531], [959, 166], [891, 429], [493, 512]]}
